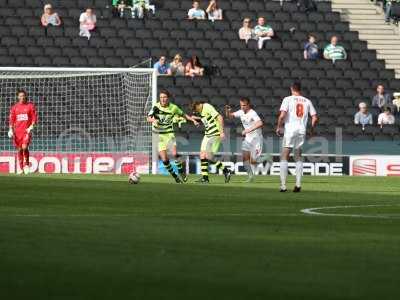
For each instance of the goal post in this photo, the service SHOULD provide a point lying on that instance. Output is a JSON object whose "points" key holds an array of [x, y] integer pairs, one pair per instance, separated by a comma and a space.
{"points": [[84, 114]]}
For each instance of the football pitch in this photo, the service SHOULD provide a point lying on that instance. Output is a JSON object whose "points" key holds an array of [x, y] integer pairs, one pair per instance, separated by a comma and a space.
{"points": [[97, 237]]}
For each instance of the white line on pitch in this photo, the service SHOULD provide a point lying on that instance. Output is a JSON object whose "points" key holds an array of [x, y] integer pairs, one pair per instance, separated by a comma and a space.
{"points": [[315, 211], [149, 215]]}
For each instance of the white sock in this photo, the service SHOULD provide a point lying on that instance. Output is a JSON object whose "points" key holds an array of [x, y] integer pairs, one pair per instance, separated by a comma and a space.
{"points": [[248, 168], [268, 166], [284, 173], [299, 172], [253, 169]]}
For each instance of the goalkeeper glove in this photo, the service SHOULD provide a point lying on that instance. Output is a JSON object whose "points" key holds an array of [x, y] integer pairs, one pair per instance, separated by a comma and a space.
{"points": [[29, 129], [10, 133]]}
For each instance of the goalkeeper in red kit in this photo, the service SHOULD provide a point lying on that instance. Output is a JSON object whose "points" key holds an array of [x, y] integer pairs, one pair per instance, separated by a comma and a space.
{"points": [[23, 118]]}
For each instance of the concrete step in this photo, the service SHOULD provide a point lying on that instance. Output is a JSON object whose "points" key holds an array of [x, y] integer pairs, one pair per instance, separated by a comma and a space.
{"points": [[387, 59], [365, 17], [387, 52], [392, 67], [367, 22], [392, 41], [379, 32], [368, 26], [386, 30], [351, 1], [353, 6], [393, 62], [357, 12], [376, 36], [383, 47]]}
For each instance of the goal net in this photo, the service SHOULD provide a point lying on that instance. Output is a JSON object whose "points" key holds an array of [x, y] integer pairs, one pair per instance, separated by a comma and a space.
{"points": [[83, 113]]}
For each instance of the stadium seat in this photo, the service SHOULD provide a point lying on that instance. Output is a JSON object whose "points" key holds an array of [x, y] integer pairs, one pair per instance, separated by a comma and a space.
{"points": [[241, 5], [61, 61], [79, 61], [43, 61], [53, 51]]}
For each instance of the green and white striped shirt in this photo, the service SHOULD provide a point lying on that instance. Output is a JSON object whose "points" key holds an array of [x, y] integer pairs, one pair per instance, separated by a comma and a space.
{"points": [[335, 52], [263, 29], [166, 117]]}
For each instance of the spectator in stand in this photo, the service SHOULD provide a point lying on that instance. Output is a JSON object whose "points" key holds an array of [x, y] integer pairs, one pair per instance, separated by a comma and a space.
{"points": [[386, 118], [246, 32], [334, 51], [87, 22], [162, 67], [396, 102], [177, 67], [263, 32], [388, 9], [381, 99], [140, 7], [119, 7], [50, 17], [311, 51], [213, 11], [194, 68], [196, 12], [363, 117]]}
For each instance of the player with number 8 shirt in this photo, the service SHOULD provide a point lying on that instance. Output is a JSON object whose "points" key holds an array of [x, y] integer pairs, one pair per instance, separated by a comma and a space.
{"points": [[294, 113]]}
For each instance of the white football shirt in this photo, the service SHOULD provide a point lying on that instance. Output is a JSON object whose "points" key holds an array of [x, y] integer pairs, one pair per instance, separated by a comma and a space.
{"points": [[298, 108], [248, 120]]}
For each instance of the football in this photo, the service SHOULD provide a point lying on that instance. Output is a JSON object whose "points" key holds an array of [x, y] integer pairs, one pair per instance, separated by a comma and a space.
{"points": [[134, 178]]}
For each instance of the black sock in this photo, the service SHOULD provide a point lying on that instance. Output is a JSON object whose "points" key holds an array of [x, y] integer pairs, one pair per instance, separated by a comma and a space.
{"points": [[179, 165], [218, 166], [204, 168], [169, 168]]}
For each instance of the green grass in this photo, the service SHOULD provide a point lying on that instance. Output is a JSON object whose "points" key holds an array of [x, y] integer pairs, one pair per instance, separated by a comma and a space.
{"points": [[97, 237]]}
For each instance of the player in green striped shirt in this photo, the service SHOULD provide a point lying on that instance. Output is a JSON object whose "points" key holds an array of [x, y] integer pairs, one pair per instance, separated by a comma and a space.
{"points": [[213, 135], [163, 116], [334, 51]]}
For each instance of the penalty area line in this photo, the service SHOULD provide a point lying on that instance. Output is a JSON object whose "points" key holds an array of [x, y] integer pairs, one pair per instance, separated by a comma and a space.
{"points": [[316, 211], [148, 215]]}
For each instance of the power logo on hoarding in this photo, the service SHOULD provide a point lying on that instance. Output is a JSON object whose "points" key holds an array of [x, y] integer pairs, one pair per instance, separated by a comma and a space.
{"points": [[364, 167], [393, 169], [78, 163]]}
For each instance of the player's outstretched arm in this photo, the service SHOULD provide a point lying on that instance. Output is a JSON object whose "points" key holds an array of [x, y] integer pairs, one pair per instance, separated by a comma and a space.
{"points": [[192, 119], [228, 112]]}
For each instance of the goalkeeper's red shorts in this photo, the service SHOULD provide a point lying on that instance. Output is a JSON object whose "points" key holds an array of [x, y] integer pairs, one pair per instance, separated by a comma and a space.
{"points": [[22, 139]]}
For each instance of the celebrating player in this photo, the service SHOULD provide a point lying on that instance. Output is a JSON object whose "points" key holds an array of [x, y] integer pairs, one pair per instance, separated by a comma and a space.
{"points": [[294, 113], [253, 139], [214, 133], [23, 118], [162, 117]]}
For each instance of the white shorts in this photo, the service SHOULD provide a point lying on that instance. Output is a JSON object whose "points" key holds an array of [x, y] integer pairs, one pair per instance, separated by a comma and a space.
{"points": [[294, 141], [254, 146]]}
